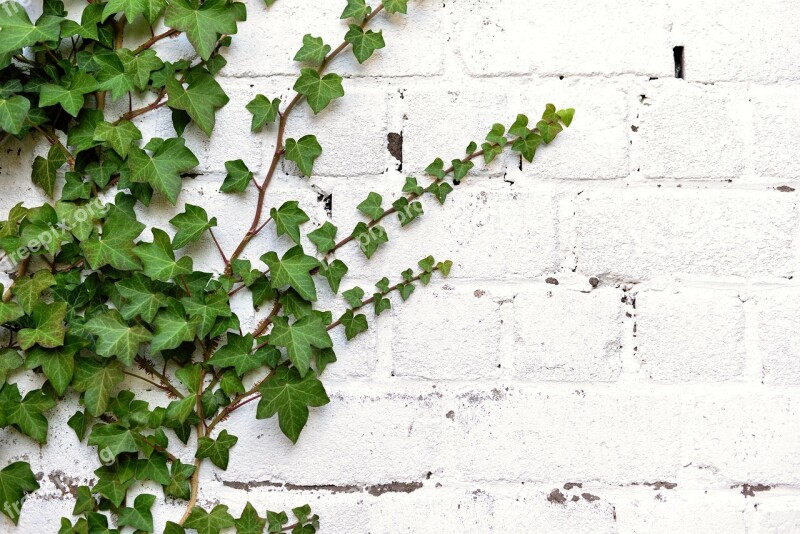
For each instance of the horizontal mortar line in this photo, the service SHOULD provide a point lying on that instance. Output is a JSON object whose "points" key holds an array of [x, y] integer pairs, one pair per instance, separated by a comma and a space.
{"points": [[457, 386]]}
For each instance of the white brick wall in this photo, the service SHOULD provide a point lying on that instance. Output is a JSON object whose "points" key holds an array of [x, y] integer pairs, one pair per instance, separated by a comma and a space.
{"points": [[618, 348]]}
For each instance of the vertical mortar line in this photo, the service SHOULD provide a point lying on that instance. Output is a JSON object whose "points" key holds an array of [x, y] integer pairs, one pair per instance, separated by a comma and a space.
{"points": [[631, 363], [505, 296]]}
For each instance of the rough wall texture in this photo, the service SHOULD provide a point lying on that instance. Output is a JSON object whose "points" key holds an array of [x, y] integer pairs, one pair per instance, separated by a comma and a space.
{"points": [[618, 349]]}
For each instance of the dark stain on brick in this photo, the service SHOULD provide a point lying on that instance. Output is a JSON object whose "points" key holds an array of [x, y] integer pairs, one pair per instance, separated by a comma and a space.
{"points": [[556, 497], [451, 415], [750, 490], [570, 485], [375, 490], [661, 485], [589, 497], [785, 189], [594, 281], [395, 146], [65, 484], [551, 280], [575, 498]]}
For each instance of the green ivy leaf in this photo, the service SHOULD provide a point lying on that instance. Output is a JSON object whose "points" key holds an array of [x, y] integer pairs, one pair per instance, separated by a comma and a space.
{"points": [[356, 10], [490, 152], [151, 9], [237, 353], [58, 364], [371, 206], [172, 329], [396, 6], [10, 360], [333, 273], [159, 259], [460, 169], [115, 247], [566, 116], [440, 191], [210, 523], [411, 186], [202, 23], [19, 32], [238, 177], [520, 126], [263, 110], [206, 309], [353, 324], [381, 303], [190, 224], [436, 169], [143, 298], [293, 269], [288, 219], [289, 395], [69, 96], [84, 501], [323, 237], [119, 136], [48, 330], [369, 239], [13, 112], [299, 338], [26, 414], [17, 479], [162, 169], [116, 338], [139, 517], [28, 290], [364, 42], [527, 144], [313, 51], [250, 522], [112, 75], [200, 99], [114, 439], [549, 130], [218, 451], [179, 485], [96, 381], [406, 290], [319, 90], [303, 152], [44, 172]]}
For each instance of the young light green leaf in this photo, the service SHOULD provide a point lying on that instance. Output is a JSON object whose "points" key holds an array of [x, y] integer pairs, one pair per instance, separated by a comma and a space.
{"points": [[436, 169], [566, 116], [333, 273], [28, 290], [313, 51], [364, 42], [190, 224], [303, 152], [460, 169], [527, 144], [369, 239], [263, 110], [549, 130], [319, 90], [115, 248]]}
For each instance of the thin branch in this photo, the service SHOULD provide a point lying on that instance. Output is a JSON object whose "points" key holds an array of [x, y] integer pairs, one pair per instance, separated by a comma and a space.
{"points": [[276, 158], [221, 252], [153, 40]]}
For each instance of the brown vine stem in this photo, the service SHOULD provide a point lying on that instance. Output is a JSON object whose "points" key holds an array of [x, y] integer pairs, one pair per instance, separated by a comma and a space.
{"points": [[276, 158], [159, 386], [157, 103], [153, 40], [147, 366], [53, 140]]}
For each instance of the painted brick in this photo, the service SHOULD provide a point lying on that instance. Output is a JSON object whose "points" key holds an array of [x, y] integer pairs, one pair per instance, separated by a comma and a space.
{"points": [[690, 334], [567, 335], [778, 335]]}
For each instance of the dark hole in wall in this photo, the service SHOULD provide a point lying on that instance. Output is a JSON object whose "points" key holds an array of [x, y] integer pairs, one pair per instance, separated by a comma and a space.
{"points": [[395, 146], [677, 55]]}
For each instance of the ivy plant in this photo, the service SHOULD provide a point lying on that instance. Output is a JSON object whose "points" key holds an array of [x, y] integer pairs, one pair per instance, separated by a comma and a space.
{"points": [[102, 313]]}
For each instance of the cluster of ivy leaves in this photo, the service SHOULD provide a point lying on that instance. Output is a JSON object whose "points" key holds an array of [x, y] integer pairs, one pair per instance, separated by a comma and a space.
{"points": [[95, 308]]}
